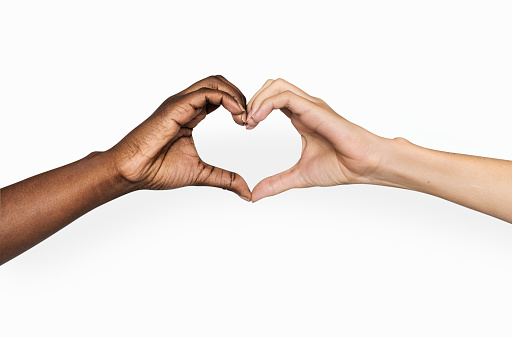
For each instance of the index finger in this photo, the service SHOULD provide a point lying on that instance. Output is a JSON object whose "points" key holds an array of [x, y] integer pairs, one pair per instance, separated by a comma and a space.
{"points": [[219, 82], [194, 101], [310, 114]]}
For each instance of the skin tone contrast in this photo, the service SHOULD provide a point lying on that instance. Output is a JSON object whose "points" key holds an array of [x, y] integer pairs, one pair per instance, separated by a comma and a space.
{"points": [[160, 154]]}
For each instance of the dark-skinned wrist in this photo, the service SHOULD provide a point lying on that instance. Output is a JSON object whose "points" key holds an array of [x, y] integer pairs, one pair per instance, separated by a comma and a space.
{"points": [[114, 184]]}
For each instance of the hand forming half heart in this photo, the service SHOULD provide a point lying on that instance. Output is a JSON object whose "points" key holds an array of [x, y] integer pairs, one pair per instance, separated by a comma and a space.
{"points": [[160, 153]]}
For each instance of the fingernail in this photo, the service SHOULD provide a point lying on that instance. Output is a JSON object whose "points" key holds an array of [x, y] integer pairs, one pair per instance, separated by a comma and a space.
{"points": [[244, 114], [252, 116], [241, 107], [245, 198]]}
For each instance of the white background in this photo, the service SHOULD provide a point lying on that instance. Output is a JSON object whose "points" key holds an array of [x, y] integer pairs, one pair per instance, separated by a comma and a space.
{"points": [[347, 260]]}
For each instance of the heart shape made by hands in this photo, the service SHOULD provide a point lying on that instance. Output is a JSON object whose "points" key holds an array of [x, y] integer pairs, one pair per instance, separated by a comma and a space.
{"points": [[334, 151], [271, 148]]}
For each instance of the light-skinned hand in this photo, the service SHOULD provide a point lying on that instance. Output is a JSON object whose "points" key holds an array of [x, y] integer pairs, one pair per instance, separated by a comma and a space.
{"points": [[334, 151]]}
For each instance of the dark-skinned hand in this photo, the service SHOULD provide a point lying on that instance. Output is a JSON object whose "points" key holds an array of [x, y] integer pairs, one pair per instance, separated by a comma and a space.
{"points": [[160, 153]]}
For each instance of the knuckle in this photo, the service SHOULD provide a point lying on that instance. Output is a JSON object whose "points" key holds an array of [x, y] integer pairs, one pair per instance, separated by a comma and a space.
{"points": [[173, 115], [287, 93], [282, 83], [212, 81]]}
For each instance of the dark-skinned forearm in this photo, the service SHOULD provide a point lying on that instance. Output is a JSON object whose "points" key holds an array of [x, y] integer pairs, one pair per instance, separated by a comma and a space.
{"points": [[35, 208]]}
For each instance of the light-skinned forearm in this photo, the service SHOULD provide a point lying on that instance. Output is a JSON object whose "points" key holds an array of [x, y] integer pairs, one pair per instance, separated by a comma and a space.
{"points": [[479, 183], [33, 209]]}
